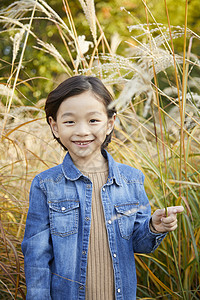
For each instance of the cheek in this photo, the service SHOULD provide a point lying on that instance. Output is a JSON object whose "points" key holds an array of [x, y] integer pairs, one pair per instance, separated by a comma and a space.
{"points": [[101, 131], [64, 131], [104, 127]]}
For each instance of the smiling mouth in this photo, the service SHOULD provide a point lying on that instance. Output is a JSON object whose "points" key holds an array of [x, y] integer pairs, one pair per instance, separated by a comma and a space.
{"points": [[84, 143]]}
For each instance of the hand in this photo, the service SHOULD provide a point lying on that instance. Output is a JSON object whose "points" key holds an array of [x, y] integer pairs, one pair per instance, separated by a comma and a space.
{"points": [[161, 223]]}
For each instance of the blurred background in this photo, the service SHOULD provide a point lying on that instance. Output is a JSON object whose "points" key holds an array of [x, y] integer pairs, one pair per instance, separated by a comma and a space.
{"points": [[147, 54]]}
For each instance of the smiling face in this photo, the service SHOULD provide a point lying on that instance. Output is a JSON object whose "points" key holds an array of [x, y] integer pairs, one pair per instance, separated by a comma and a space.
{"points": [[82, 125]]}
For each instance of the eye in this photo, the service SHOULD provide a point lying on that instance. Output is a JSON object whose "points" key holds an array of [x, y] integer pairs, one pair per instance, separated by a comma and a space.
{"points": [[69, 122], [94, 121]]}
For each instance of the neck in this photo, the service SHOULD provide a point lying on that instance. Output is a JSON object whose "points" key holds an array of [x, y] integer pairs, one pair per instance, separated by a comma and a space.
{"points": [[90, 165]]}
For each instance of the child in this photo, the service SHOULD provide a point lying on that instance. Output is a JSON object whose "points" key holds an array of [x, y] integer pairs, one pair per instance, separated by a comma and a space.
{"points": [[88, 216]]}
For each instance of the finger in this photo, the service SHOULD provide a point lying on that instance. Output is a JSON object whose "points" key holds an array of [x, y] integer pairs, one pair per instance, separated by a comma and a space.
{"points": [[170, 210], [171, 228], [175, 209], [169, 221], [160, 212]]}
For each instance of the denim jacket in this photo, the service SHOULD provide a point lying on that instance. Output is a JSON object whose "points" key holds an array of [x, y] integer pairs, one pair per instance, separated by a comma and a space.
{"points": [[56, 239]]}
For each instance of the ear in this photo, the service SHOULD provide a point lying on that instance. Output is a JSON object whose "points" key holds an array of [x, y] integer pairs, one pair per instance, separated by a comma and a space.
{"points": [[111, 123], [54, 127]]}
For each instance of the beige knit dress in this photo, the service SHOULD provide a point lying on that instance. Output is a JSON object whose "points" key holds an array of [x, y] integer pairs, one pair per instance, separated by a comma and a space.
{"points": [[100, 274]]}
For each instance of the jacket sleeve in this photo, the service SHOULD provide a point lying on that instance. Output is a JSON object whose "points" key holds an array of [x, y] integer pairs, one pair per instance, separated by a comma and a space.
{"points": [[37, 246], [144, 240]]}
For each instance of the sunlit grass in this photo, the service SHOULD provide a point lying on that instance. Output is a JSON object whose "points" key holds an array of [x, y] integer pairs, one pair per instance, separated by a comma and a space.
{"points": [[157, 131]]}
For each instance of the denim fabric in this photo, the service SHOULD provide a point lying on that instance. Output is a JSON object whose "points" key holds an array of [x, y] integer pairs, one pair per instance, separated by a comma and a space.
{"points": [[56, 239]]}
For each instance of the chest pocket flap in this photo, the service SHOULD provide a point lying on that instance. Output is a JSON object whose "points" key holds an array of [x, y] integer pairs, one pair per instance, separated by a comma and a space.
{"points": [[64, 215], [126, 215]]}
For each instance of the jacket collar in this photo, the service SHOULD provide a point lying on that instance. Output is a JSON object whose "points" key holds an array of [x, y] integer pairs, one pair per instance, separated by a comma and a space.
{"points": [[71, 172]]}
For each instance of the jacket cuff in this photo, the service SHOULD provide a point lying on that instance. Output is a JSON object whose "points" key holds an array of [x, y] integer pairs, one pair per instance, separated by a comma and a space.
{"points": [[158, 236]]}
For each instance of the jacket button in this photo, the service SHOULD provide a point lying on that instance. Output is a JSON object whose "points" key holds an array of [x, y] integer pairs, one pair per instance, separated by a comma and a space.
{"points": [[87, 219], [63, 208], [103, 189], [84, 252], [81, 287], [109, 222], [118, 290], [115, 255]]}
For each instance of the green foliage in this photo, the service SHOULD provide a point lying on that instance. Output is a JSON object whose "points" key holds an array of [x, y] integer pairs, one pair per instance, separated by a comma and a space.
{"points": [[112, 19]]}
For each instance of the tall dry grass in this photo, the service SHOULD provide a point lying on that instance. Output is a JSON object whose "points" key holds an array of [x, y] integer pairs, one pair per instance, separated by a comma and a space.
{"points": [[157, 131]]}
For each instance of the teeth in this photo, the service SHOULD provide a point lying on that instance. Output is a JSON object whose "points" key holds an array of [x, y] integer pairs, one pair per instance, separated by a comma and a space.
{"points": [[83, 143]]}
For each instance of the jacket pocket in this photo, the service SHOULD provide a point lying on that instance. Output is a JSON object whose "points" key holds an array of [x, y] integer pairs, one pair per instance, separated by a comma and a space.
{"points": [[126, 215], [64, 215]]}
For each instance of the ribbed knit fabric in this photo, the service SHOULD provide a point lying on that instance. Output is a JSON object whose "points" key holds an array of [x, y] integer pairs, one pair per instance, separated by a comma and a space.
{"points": [[100, 276]]}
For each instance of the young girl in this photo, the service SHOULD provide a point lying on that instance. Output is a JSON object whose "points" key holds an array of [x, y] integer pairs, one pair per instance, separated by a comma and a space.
{"points": [[88, 216]]}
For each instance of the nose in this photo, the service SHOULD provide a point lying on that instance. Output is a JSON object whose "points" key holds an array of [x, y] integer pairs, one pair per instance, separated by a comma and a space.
{"points": [[82, 129]]}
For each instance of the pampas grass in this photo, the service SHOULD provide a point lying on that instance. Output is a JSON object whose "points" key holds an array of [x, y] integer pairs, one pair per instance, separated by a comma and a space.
{"points": [[89, 11]]}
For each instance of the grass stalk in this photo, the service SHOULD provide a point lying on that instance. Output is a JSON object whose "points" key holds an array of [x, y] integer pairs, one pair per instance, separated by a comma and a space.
{"points": [[73, 29], [159, 115], [19, 67], [168, 160], [178, 91], [184, 92]]}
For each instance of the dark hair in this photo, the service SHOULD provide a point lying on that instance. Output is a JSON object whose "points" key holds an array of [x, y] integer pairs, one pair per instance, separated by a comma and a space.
{"points": [[77, 85]]}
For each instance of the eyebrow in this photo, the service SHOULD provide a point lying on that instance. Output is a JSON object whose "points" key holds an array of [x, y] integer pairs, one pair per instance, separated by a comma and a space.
{"points": [[69, 114], [94, 113]]}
